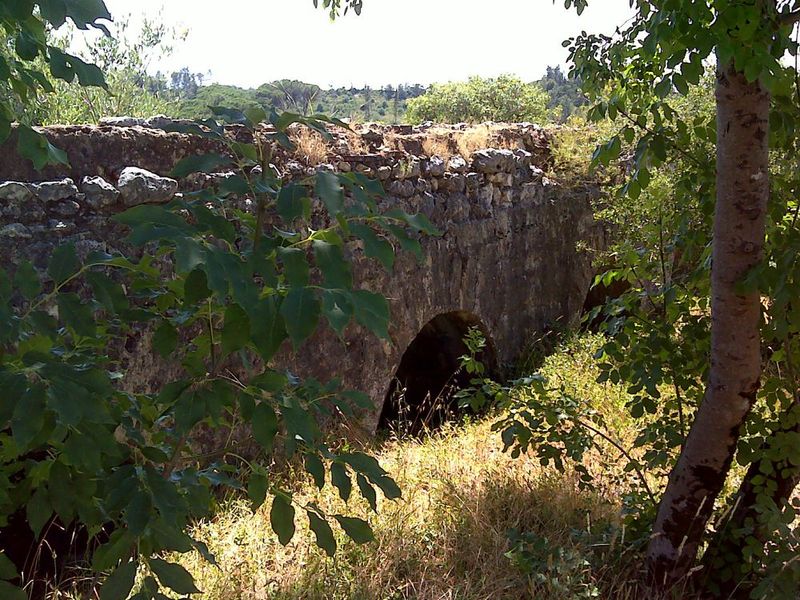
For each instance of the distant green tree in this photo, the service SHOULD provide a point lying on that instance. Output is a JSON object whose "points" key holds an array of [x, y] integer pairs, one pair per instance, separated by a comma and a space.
{"points": [[199, 105], [505, 98], [186, 84], [288, 94], [124, 57], [565, 92]]}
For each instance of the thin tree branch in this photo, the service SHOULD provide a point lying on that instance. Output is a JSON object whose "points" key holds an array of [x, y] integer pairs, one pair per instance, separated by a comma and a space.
{"points": [[790, 18]]}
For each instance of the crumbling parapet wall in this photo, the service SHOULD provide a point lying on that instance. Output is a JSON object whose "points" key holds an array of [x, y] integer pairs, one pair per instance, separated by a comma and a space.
{"points": [[515, 250]]}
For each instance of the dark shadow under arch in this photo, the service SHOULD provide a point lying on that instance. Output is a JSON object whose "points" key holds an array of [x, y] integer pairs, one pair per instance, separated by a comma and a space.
{"points": [[420, 395]]}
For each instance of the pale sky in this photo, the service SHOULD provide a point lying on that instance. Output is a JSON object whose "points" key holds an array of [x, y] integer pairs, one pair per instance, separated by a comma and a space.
{"points": [[249, 42]]}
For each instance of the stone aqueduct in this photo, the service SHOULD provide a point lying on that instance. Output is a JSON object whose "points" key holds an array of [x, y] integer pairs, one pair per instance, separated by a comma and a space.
{"points": [[515, 254]]}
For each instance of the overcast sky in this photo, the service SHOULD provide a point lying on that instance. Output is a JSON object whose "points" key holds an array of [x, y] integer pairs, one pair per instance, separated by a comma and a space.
{"points": [[249, 42]]}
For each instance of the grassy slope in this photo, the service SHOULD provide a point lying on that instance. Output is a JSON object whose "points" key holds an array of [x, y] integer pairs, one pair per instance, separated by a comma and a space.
{"points": [[447, 537]]}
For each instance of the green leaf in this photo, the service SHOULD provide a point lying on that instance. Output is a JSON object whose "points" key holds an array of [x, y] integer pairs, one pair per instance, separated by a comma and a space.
{"points": [[257, 490], [337, 308], [38, 511], [7, 568], [281, 517], [15, 387], [109, 293], [165, 339], [110, 553], [119, 584], [357, 530], [329, 190], [87, 12], [322, 532], [417, 221], [407, 243], [336, 272], [341, 480], [11, 592], [203, 163], [372, 311], [54, 11], [28, 418], [293, 203], [375, 246], [300, 310], [63, 264], [27, 280], [367, 491], [295, 266], [66, 66], [388, 486], [236, 329], [299, 422], [679, 81], [268, 327], [316, 469], [195, 287], [270, 381], [73, 313], [231, 115], [138, 512], [174, 576], [255, 115], [37, 148], [265, 425]]}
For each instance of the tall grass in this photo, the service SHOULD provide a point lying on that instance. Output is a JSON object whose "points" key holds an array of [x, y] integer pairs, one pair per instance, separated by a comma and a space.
{"points": [[473, 523]]}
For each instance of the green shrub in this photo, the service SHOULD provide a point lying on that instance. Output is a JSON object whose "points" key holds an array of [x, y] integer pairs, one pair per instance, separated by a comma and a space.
{"points": [[504, 99]]}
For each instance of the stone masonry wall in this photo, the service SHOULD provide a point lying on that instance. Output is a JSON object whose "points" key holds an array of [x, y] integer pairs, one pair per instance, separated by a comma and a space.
{"points": [[513, 250]]}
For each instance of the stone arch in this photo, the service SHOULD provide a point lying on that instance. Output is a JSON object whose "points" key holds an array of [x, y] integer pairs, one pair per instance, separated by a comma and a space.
{"points": [[420, 395]]}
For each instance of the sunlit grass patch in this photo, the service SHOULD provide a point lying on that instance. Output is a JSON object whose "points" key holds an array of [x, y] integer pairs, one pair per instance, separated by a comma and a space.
{"points": [[448, 536]]}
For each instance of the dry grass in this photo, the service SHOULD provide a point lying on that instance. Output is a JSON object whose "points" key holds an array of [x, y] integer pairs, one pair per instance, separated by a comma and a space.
{"points": [[438, 145], [474, 139], [445, 143], [447, 537], [356, 143], [311, 146]]}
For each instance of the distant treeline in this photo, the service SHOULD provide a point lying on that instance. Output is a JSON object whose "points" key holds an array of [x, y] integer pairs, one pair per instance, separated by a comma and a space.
{"points": [[190, 97], [386, 104]]}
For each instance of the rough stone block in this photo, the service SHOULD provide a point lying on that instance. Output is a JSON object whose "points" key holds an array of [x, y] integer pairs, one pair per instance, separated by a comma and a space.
{"points": [[493, 161], [457, 164], [53, 191], [15, 191], [436, 166], [138, 186], [99, 193]]}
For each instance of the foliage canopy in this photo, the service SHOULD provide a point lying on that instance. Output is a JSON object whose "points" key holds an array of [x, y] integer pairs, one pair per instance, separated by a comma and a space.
{"points": [[503, 99]]}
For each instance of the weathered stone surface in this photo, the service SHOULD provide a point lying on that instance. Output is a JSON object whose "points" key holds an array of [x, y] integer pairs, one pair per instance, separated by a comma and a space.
{"points": [[14, 191], [104, 151], [493, 161], [457, 164], [122, 122], [15, 231], [53, 191], [436, 166], [501, 179], [99, 193], [523, 158], [66, 208], [139, 186], [508, 257]]}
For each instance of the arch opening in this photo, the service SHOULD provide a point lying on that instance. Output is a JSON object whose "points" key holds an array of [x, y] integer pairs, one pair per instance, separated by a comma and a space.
{"points": [[421, 394]]}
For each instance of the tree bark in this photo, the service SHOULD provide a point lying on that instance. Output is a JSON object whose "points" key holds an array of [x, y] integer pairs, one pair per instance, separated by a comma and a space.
{"points": [[734, 376]]}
